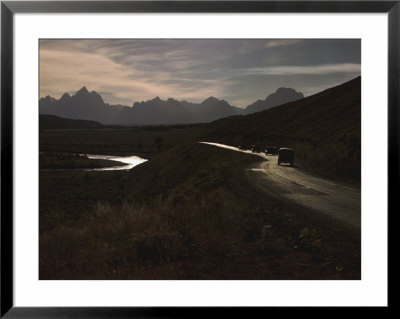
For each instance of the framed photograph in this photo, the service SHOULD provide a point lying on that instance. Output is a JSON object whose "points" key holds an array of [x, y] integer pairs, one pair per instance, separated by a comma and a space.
{"points": [[182, 158]]}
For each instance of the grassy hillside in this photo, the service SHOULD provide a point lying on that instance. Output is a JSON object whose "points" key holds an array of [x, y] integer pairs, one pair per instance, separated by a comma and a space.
{"points": [[186, 214], [324, 129]]}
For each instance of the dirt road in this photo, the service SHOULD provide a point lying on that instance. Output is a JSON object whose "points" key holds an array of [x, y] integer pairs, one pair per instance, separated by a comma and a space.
{"points": [[293, 183]]}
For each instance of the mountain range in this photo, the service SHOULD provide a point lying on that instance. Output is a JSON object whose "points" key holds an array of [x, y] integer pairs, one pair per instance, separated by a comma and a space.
{"points": [[85, 105], [281, 96]]}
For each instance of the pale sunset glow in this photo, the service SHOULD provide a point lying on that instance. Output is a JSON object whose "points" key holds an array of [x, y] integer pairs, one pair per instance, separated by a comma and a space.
{"points": [[240, 71]]}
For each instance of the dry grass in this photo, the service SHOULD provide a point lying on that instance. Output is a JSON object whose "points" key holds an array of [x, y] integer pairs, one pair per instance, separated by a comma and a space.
{"points": [[193, 221]]}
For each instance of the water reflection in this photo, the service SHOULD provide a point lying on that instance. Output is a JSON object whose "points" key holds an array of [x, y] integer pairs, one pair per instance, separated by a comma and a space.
{"points": [[130, 161]]}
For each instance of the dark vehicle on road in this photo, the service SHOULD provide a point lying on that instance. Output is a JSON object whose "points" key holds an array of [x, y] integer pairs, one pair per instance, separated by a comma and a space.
{"points": [[271, 150], [244, 147], [286, 155], [254, 149]]}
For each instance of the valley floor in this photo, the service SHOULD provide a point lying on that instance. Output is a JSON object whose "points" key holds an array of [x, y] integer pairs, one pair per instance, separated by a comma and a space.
{"points": [[188, 213]]}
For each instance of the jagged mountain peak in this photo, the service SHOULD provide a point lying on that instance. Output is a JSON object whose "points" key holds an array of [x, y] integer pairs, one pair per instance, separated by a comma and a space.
{"points": [[282, 90], [90, 106], [281, 96], [285, 93], [210, 99], [83, 90], [171, 100], [48, 98], [65, 97]]}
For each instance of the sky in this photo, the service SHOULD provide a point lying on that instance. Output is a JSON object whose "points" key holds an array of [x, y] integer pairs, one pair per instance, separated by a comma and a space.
{"points": [[239, 71]]}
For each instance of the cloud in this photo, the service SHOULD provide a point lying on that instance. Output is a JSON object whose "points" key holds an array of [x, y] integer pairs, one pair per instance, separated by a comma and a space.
{"points": [[280, 43], [237, 70], [136, 80], [324, 69]]}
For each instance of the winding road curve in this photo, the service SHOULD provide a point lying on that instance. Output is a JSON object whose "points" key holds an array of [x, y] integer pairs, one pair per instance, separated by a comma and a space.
{"points": [[292, 183]]}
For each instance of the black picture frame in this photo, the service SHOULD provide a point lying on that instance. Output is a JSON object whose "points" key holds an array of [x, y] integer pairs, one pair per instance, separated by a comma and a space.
{"points": [[9, 8]]}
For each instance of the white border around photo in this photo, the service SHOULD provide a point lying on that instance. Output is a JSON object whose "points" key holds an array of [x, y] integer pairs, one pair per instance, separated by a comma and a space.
{"points": [[371, 290]]}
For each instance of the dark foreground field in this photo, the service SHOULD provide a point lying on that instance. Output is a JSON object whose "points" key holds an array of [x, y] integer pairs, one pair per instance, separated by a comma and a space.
{"points": [[186, 214], [189, 212]]}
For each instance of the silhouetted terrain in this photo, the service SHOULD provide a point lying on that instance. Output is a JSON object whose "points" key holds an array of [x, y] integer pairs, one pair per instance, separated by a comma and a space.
{"points": [[83, 106], [56, 122], [155, 112], [281, 96], [186, 214], [143, 141], [324, 129], [189, 212], [90, 106]]}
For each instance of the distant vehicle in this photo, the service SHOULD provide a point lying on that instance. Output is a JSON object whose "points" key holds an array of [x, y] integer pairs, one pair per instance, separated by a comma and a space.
{"points": [[286, 155], [254, 149], [271, 150]]}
